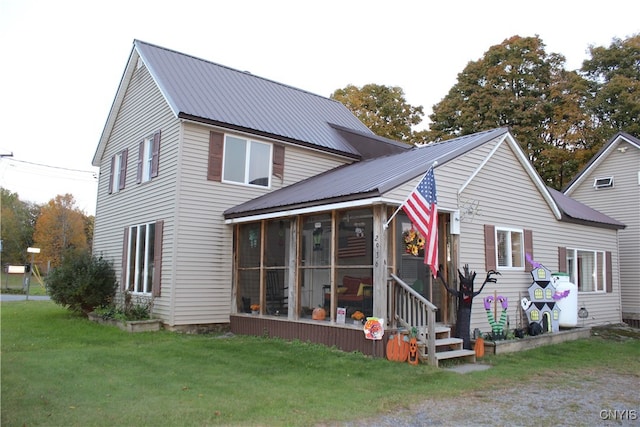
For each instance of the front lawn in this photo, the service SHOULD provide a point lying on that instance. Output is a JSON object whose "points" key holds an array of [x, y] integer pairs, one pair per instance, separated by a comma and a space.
{"points": [[61, 369]]}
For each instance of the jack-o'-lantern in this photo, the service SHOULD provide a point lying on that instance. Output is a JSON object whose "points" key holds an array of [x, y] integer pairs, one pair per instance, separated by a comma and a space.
{"points": [[413, 351], [318, 313]]}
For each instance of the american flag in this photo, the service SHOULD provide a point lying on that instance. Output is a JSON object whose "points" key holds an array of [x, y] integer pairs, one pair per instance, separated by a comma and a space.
{"points": [[421, 207]]}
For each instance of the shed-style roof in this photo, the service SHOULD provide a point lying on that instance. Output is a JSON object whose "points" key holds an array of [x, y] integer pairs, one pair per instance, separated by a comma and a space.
{"points": [[203, 91], [574, 211]]}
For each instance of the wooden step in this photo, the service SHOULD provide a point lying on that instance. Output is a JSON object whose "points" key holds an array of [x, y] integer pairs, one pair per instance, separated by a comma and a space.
{"points": [[469, 355], [451, 342]]}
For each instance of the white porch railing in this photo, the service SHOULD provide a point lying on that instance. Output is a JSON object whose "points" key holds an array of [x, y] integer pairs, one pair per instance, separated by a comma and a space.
{"points": [[407, 308]]}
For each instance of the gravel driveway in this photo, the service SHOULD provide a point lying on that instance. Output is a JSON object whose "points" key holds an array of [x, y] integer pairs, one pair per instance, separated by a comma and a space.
{"points": [[598, 398], [589, 401]]}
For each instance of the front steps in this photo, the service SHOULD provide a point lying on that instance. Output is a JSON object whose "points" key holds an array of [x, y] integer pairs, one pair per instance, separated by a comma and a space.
{"points": [[447, 347]]}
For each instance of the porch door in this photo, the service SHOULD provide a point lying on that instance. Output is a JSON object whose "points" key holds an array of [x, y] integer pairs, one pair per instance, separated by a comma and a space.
{"points": [[412, 270]]}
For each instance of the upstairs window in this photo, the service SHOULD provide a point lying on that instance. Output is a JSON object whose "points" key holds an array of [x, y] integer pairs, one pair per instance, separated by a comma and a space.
{"points": [[606, 182], [118, 173], [246, 162], [148, 158]]}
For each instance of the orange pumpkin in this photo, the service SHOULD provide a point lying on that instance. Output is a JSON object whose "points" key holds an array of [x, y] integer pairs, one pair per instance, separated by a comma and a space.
{"points": [[479, 347], [397, 349], [318, 313], [413, 351]]}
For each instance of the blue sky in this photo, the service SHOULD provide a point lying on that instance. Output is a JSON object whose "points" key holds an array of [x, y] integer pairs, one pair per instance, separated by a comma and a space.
{"points": [[63, 60]]}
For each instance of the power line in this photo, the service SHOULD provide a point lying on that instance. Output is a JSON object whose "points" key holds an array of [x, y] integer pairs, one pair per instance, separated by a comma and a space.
{"points": [[52, 167]]}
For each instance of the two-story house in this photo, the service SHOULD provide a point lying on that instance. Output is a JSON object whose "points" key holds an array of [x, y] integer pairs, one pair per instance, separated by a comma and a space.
{"points": [[220, 190]]}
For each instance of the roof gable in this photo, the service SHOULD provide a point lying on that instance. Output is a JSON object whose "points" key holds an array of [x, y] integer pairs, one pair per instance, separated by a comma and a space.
{"points": [[374, 177], [204, 91], [600, 157]]}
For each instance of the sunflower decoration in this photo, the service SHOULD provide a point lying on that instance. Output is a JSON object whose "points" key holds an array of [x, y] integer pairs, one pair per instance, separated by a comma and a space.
{"points": [[413, 241]]}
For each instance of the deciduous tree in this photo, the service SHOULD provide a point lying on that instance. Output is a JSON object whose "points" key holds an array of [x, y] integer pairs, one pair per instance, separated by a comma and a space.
{"points": [[383, 109], [16, 227], [59, 229], [614, 72]]}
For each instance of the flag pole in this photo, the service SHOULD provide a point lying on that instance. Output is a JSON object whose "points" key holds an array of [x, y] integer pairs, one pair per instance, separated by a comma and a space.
{"points": [[386, 224]]}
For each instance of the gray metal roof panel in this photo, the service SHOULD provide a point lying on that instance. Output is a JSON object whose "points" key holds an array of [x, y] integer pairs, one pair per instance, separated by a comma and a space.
{"points": [[200, 88], [366, 178], [575, 211]]}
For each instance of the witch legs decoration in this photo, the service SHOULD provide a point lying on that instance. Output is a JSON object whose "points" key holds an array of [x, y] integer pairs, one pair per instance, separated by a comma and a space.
{"points": [[497, 328], [465, 298]]}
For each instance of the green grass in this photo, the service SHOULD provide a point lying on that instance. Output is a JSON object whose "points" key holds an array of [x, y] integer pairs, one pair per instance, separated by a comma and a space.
{"points": [[61, 369], [13, 284]]}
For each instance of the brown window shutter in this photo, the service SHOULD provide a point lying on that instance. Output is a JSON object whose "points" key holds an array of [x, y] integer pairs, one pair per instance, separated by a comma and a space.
{"points": [[125, 249], [123, 168], [216, 146], [140, 159], [562, 260], [157, 259], [528, 249], [490, 247], [155, 154], [113, 165], [278, 161], [609, 284]]}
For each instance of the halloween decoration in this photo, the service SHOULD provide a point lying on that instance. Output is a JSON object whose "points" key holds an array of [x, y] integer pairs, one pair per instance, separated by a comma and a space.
{"points": [[465, 298], [318, 313], [479, 347], [542, 308], [397, 348], [413, 351], [497, 328]]}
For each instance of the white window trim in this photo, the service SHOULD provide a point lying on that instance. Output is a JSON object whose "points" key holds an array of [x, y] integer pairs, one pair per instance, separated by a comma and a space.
{"points": [[247, 159], [147, 158], [600, 282], [115, 183], [603, 182], [146, 286], [510, 230]]}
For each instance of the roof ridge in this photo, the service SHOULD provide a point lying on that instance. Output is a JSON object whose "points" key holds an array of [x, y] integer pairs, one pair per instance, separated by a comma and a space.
{"points": [[248, 73]]}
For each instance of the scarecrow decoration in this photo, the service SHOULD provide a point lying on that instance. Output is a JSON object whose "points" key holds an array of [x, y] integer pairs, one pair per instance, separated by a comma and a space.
{"points": [[465, 298]]}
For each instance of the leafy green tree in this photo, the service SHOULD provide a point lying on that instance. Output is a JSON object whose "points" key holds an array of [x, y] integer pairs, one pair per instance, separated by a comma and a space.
{"points": [[384, 110], [519, 85], [614, 73], [16, 226]]}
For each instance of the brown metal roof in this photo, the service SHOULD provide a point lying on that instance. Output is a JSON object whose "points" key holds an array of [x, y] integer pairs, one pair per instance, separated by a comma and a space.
{"points": [[202, 90], [364, 179], [574, 211]]}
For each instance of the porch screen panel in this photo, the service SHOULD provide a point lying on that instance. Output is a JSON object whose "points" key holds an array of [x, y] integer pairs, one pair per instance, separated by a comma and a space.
{"points": [[315, 261]]}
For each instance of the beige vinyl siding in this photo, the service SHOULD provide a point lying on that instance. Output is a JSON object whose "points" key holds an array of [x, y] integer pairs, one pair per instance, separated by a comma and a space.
{"points": [[203, 246], [621, 202], [143, 112], [505, 196]]}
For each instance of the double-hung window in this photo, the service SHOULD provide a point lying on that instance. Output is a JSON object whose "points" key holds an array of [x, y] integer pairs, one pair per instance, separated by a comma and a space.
{"points": [[587, 269], [246, 162], [118, 172], [141, 258], [148, 158], [510, 247]]}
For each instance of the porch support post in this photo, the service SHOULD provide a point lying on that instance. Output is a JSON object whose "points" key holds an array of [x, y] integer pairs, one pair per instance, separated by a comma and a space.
{"points": [[380, 273], [292, 282]]}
